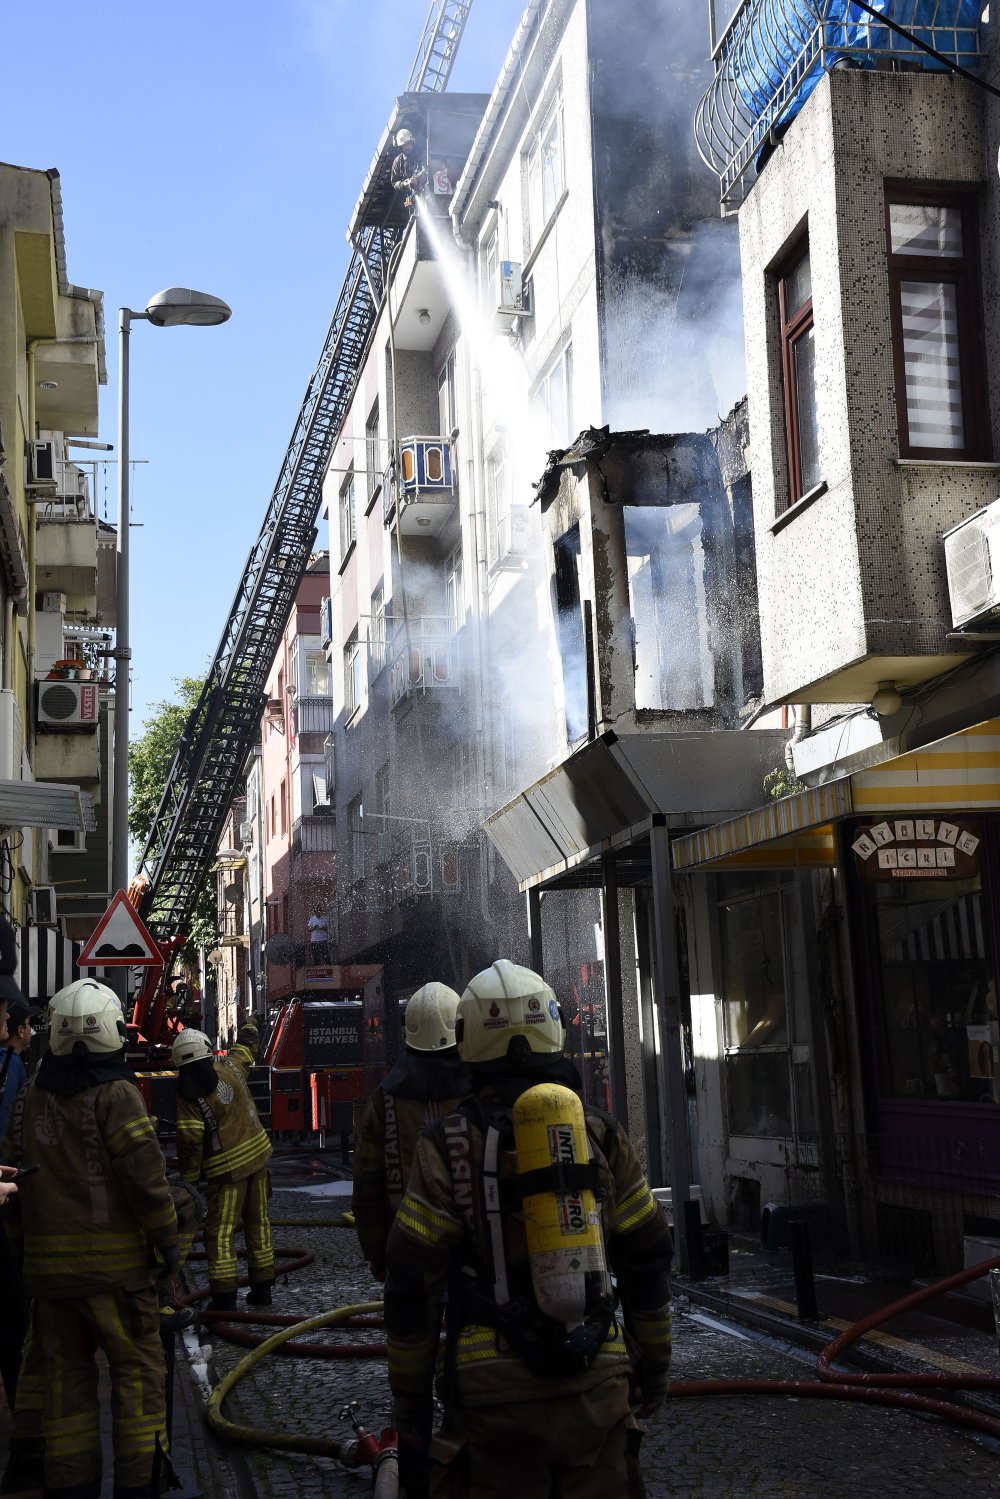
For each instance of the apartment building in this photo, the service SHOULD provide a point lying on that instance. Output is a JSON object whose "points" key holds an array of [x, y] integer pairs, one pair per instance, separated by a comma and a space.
{"points": [[56, 588], [537, 461], [848, 930]]}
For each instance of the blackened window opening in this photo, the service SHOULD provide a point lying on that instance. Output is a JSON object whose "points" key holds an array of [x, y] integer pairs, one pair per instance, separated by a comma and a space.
{"points": [[569, 632]]}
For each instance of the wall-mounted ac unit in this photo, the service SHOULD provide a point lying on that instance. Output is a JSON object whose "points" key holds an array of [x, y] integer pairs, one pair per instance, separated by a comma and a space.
{"points": [[43, 905], [53, 603], [972, 563], [514, 533], [246, 833], [43, 464], [513, 302], [68, 705]]}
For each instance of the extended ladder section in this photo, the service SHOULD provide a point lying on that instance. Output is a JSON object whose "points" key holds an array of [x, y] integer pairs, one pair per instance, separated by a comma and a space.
{"points": [[225, 724]]}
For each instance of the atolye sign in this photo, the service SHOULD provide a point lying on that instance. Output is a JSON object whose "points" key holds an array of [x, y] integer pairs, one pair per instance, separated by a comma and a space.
{"points": [[915, 848]]}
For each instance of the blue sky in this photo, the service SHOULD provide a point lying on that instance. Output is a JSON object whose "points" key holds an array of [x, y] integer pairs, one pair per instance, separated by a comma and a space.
{"points": [[219, 144]]}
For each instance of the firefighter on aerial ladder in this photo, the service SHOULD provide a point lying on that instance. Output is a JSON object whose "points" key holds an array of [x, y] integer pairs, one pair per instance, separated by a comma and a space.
{"points": [[408, 174], [519, 1205]]}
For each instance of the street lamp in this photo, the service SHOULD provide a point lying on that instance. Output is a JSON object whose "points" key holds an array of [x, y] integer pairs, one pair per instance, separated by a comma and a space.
{"points": [[168, 309]]}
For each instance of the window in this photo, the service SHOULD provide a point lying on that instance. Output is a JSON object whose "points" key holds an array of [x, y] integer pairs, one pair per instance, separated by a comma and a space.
{"points": [[491, 272], [382, 796], [936, 326], [454, 593], [348, 525], [798, 374], [316, 674], [283, 799], [373, 454], [497, 501], [546, 172], [377, 631], [673, 622], [554, 397], [355, 827], [352, 675], [447, 411]]}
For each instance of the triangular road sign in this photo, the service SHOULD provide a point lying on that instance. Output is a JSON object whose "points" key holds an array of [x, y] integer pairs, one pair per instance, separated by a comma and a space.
{"points": [[120, 940]]}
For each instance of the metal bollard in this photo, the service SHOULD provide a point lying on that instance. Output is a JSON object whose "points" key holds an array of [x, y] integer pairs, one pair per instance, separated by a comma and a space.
{"points": [[802, 1268]]}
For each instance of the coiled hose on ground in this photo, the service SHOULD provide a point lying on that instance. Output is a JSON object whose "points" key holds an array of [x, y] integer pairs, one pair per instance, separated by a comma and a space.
{"points": [[895, 1390]]}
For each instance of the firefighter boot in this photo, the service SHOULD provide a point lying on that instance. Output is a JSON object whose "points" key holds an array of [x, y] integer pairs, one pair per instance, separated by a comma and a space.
{"points": [[24, 1471], [222, 1301], [259, 1293]]}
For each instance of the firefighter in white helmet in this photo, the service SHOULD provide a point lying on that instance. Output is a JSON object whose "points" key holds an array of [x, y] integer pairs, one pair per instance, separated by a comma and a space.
{"points": [[407, 174], [537, 1383], [220, 1138], [98, 1202], [425, 1084]]}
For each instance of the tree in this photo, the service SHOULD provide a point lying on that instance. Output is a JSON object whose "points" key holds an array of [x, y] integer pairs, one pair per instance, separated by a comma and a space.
{"points": [[149, 760]]}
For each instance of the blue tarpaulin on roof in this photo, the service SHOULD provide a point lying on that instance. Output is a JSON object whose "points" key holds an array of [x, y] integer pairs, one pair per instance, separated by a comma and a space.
{"points": [[786, 55]]}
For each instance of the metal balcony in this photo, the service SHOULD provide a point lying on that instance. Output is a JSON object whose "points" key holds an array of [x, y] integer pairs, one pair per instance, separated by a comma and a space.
{"points": [[424, 657], [313, 715], [774, 52], [314, 835]]}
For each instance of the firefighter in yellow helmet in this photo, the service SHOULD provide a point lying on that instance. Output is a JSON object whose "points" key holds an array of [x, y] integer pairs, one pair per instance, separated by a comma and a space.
{"points": [[425, 1084], [519, 1204], [220, 1138], [88, 1218]]}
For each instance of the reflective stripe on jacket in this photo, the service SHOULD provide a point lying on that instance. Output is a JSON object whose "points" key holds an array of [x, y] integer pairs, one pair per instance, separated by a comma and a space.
{"points": [[220, 1137]]}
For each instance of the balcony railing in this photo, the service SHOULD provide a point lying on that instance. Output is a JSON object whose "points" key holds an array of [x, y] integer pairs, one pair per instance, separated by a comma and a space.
{"points": [[313, 715], [424, 657], [774, 52], [314, 835]]}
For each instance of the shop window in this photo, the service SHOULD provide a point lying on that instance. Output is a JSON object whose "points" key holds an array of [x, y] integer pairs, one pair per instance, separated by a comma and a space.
{"points": [[764, 1005], [936, 325], [798, 373], [668, 597]]}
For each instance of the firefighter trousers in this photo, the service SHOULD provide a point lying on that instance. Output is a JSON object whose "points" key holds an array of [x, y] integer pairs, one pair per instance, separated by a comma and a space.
{"points": [[29, 1410], [125, 1327], [231, 1204], [534, 1468]]}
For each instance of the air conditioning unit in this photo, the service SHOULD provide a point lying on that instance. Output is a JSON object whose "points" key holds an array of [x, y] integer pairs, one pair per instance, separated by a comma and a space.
{"points": [[246, 833], [68, 705], [53, 603], [43, 905], [513, 301], [514, 533], [972, 563]]}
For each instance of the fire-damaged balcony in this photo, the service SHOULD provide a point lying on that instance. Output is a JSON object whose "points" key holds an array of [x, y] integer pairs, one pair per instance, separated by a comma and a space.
{"points": [[424, 658], [773, 53]]}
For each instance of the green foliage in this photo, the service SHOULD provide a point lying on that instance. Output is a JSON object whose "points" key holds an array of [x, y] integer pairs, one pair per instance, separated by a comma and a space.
{"points": [[781, 782], [150, 757]]}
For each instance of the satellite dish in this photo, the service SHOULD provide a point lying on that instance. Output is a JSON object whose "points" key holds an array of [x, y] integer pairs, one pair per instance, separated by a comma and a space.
{"points": [[232, 893], [279, 949]]}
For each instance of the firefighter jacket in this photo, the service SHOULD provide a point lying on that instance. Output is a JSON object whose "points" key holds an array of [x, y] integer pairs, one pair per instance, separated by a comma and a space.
{"points": [[422, 1087], [88, 1219], [219, 1136], [246, 1048], [439, 1239]]}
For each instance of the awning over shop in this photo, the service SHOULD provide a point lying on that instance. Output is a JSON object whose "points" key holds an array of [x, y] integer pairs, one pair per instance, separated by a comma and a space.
{"points": [[47, 963], [46, 804], [958, 773], [605, 797]]}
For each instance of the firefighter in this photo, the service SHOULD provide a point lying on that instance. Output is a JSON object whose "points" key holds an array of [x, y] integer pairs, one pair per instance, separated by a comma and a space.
{"points": [[548, 1398], [85, 1223], [425, 1084], [245, 1050], [407, 174], [219, 1136]]}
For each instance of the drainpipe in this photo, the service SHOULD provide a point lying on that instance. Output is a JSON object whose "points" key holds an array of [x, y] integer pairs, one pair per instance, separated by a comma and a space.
{"points": [[803, 726]]}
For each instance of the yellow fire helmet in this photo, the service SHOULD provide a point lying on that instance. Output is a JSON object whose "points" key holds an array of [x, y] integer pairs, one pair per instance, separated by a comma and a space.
{"points": [[190, 1046], [501, 1003], [88, 1013], [429, 1022]]}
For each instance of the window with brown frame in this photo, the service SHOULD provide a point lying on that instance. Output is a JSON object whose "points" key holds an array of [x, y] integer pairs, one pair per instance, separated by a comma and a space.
{"points": [[936, 324], [798, 373]]}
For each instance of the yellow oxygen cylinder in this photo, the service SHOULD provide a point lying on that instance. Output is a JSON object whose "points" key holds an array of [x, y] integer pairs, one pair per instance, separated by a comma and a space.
{"points": [[563, 1230]]}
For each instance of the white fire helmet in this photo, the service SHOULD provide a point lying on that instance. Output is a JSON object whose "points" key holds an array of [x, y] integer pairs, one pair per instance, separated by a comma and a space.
{"points": [[87, 1012], [190, 1046], [429, 1022], [502, 1002], [404, 138]]}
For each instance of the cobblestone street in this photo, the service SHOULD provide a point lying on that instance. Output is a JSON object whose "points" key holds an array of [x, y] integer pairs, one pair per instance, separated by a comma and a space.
{"points": [[736, 1448]]}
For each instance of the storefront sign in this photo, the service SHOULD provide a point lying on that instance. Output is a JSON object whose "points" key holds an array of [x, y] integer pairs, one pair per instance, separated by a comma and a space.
{"points": [[917, 848]]}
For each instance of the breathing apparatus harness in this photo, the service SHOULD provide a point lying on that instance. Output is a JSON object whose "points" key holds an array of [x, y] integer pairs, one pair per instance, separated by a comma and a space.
{"points": [[480, 1291]]}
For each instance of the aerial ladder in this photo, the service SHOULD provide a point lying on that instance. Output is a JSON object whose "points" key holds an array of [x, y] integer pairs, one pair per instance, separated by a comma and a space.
{"points": [[225, 722]]}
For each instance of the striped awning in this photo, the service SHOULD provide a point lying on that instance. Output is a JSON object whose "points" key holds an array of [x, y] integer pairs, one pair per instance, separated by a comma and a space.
{"points": [[960, 773], [46, 962]]}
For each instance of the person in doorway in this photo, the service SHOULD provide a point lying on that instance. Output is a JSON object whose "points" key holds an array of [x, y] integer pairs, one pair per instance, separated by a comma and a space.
{"points": [[425, 1084], [219, 1137], [407, 174], [541, 1401], [85, 1223]]}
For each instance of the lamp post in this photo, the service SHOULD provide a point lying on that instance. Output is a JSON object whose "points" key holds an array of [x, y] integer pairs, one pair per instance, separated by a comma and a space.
{"points": [[168, 309]]}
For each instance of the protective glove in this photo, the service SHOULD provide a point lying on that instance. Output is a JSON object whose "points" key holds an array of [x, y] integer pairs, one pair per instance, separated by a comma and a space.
{"points": [[170, 1262], [650, 1385]]}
